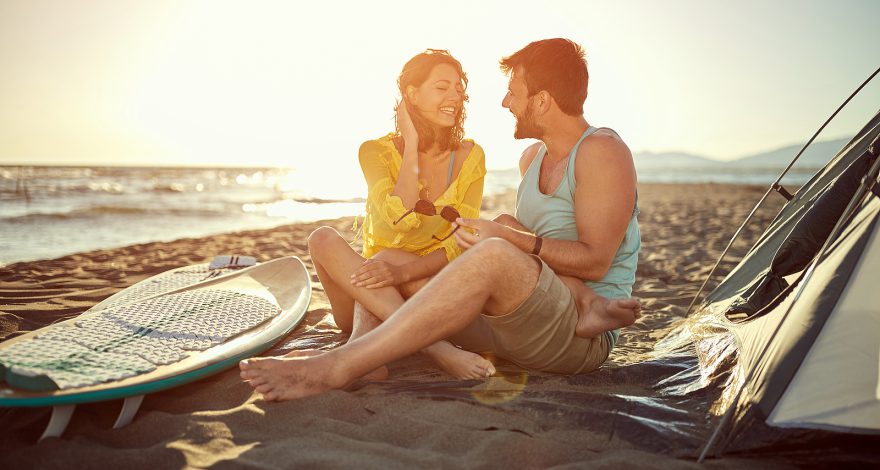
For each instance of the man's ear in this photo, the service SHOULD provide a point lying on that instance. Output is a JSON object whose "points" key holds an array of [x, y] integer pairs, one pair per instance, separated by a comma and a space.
{"points": [[543, 101]]}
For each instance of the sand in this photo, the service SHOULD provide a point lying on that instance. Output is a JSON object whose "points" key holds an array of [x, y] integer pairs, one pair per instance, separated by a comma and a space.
{"points": [[627, 414]]}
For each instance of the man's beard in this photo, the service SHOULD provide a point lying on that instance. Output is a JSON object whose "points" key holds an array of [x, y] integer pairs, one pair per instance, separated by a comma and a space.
{"points": [[526, 128]]}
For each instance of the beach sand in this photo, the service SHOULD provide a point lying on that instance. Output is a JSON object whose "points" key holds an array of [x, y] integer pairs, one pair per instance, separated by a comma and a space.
{"points": [[612, 418]]}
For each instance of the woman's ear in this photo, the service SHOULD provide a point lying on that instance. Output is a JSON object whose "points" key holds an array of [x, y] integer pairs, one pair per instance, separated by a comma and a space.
{"points": [[411, 94]]}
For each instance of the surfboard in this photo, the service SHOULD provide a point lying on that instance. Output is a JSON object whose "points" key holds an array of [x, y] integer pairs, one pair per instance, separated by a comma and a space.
{"points": [[165, 331]]}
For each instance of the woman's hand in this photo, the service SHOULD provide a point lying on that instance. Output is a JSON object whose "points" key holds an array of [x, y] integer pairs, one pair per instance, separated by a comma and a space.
{"points": [[377, 273], [405, 124]]}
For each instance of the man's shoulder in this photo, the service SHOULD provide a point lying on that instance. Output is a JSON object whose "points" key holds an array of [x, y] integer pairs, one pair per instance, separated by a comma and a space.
{"points": [[603, 146]]}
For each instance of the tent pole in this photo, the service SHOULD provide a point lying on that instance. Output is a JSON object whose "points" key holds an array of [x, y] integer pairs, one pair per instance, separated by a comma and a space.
{"points": [[774, 186], [717, 432], [726, 249]]}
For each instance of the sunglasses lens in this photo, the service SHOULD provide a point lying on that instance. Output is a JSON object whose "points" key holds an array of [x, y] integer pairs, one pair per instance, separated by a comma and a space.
{"points": [[425, 207], [449, 213]]}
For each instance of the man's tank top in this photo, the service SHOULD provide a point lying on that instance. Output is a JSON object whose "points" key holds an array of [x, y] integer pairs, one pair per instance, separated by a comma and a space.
{"points": [[552, 216]]}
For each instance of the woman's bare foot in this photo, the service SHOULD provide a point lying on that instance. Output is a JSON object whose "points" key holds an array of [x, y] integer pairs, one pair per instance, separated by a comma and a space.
{"points": [[287, 378], [364, 322], [381, 373], [459, 363], [598, 314]]}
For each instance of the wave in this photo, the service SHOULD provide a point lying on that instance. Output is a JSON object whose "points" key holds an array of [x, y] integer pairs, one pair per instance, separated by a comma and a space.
{"points": [[317, 200], [123, 211]]}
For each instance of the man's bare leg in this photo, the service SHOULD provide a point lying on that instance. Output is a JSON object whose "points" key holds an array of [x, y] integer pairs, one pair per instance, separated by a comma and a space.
{"points": [[597, 314], [493, 277], [364, 322], [335, 261]]}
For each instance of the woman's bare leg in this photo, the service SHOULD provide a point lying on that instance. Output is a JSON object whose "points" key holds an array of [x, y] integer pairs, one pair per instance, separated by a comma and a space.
{"points": [[335, 261], [455, 361]]}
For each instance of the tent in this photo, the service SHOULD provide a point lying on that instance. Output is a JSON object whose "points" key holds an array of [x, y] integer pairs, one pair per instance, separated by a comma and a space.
{"points": [[799, 313]]}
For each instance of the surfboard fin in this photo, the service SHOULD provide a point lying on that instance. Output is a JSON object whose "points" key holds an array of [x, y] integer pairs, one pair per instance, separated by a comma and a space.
{"points": [[58, 422], [232, 261], [129, 408]]}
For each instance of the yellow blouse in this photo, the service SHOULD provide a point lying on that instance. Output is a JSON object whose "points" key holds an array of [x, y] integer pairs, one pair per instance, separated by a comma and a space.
{"points": [[380, 162]]}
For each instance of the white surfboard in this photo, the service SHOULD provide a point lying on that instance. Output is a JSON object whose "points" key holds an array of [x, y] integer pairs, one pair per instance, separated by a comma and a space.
{"points": [[168, 330]]}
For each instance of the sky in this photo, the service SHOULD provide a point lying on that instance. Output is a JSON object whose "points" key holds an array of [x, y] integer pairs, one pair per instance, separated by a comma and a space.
{"points": [[301, 85]]}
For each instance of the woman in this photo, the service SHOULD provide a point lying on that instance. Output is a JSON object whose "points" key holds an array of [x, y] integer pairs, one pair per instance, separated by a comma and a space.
{"points": [[420, 178]]}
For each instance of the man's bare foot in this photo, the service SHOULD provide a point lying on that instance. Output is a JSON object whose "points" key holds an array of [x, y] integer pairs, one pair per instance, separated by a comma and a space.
{"points": [[287, 378], [381, 373], [598, 314], [459, 363]]}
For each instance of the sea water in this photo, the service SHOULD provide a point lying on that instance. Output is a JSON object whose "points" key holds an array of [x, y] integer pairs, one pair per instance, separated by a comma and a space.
{"points": [[48, 212]]}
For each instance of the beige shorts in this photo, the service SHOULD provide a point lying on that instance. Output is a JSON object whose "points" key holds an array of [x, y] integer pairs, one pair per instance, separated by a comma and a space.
{"points": [[540, 333]]}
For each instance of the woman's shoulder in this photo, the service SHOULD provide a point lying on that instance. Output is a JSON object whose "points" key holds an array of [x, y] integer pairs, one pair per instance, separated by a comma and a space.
{"points": [[472, 150], [378, 146], [475, 160]]}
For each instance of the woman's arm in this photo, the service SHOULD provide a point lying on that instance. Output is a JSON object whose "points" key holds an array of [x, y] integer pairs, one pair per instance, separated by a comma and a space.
{"points": [[378, 273], [407, 186], [469, 207], [385, 207], [375, 273]]}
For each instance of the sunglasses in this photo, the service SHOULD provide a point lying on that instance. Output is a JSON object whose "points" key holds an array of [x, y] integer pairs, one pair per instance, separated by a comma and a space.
{"points": [[425, 207]]}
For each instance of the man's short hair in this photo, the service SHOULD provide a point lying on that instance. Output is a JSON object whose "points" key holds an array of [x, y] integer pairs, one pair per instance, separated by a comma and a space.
{"points": [[558, 66]]}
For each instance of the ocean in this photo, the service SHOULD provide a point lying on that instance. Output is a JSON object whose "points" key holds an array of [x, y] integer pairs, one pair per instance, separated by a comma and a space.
{"points": [[48, 212]]}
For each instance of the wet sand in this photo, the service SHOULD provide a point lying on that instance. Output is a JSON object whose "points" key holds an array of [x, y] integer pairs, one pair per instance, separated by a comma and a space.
{"points": [[620, 416]]}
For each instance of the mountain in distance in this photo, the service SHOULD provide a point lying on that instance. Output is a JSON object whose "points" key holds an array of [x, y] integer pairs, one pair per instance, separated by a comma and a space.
{"points": [[673, 159], [816, 156]]}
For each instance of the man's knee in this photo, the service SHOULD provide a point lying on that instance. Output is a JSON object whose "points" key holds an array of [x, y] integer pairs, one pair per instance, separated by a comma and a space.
{"points": [[499, 255], [495, 247], [321, 236]]}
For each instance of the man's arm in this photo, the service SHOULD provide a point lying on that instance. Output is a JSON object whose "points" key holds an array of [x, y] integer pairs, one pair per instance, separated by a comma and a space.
{"points": [[604, 200]]}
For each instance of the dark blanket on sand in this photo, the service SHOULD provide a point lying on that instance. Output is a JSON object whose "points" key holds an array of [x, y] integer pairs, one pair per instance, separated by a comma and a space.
{"points": [[648, 406]]}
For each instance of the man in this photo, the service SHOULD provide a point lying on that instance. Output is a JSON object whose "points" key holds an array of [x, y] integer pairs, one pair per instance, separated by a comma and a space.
{"points": [[576, 210]]}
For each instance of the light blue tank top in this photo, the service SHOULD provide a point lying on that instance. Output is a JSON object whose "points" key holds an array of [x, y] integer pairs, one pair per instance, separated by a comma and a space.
{"points": [[552, 216]]}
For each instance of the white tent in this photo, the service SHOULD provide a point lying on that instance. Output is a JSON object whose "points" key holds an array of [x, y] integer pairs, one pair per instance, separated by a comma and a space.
{"points": [[801, 311]]}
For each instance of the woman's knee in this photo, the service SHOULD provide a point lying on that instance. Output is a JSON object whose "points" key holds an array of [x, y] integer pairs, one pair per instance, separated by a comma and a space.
{"points": [[322, 235]]}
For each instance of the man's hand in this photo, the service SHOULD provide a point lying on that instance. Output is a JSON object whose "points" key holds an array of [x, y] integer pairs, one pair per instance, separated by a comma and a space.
{"points": [[377, 273], [510, 221], [475, 230]]}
